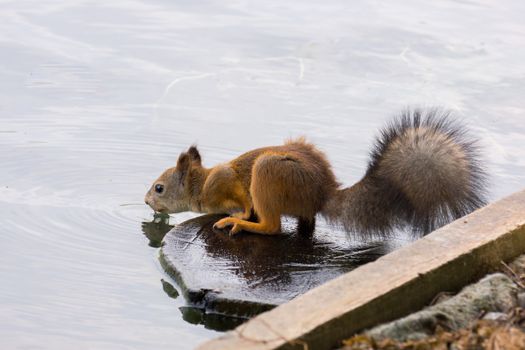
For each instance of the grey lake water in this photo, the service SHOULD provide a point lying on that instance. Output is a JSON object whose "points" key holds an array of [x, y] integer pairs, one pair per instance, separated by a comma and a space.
{"points": [[98, 97]]}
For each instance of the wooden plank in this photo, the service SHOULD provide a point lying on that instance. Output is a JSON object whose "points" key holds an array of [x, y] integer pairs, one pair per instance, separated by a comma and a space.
{"points": [[391, 287]]}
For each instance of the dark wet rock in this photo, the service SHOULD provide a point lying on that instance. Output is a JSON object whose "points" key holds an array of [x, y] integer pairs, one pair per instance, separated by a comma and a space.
{"points": [[494, 293], [247, 274]]}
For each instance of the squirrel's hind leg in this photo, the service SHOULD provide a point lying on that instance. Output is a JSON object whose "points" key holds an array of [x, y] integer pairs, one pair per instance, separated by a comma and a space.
{"points": [[306, 227], [248, 214], [267, 226], [243, 215]]}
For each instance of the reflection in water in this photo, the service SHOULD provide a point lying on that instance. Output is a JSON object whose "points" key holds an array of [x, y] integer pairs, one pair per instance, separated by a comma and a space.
{"points": [[156, 229], [213, 321], [169, 289]]}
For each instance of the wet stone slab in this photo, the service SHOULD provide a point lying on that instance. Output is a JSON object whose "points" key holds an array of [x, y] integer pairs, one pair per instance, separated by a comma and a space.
{"points": [[247, 274]]}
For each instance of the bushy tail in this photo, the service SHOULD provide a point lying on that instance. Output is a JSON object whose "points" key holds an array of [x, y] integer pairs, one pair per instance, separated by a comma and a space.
{"points": [[424, 172]]}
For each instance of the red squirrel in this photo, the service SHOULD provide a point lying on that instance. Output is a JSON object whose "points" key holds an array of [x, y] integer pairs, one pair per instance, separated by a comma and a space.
{"points": [[424, 171]]}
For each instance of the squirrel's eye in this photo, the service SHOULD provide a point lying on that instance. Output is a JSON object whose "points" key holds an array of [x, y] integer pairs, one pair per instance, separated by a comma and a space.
{"points": [[159, 188]]}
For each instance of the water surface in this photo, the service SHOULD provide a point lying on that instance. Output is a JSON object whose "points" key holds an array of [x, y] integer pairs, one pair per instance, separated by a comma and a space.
{"points": [[97, 98]]}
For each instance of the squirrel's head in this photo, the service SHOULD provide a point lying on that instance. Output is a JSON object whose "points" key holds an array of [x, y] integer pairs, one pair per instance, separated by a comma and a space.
{"points": [[172, 191]]}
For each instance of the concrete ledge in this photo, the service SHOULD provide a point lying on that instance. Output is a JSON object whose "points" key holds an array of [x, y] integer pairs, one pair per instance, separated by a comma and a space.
{"points": [[391, 287]]}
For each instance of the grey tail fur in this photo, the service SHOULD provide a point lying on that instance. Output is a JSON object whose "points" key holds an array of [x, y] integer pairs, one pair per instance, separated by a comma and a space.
{"points": [[424, 172]]}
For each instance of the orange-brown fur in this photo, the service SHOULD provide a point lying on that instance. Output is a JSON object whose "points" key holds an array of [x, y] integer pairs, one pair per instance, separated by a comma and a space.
{"points": [[293, 179]]}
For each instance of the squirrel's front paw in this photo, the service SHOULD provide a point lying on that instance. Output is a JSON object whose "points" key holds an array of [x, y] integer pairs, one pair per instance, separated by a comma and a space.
{"points": [[234, 222]]}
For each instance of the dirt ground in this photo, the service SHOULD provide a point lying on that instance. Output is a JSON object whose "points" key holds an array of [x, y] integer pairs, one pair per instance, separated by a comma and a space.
{"points": [[503, 331], [484, 334]]}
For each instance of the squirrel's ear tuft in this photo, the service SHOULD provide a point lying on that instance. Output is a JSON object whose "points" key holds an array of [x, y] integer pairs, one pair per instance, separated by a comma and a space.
{"points": [[184, 161], [183, 166], [194, 154]]}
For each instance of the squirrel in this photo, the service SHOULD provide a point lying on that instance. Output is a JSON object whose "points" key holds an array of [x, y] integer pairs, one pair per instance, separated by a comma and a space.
{"points": [[424, 171]]}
